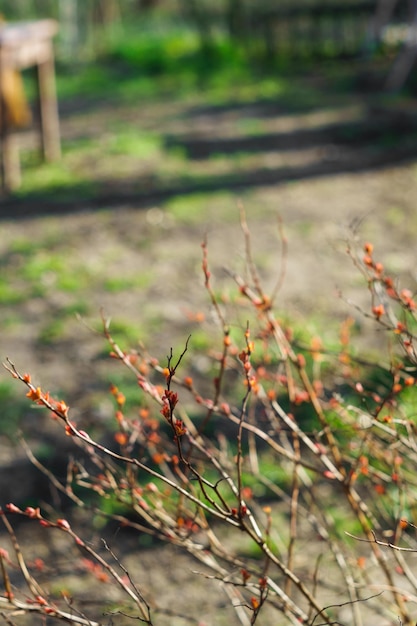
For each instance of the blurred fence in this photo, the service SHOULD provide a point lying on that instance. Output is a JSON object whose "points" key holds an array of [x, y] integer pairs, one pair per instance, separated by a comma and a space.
{"points": [[315, 30], [301, 28], [265, 29]]}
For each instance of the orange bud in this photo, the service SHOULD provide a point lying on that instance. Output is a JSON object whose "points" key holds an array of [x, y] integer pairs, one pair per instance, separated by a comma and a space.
{"points": [[263, 582], [271, 395], [245, 575], [132, 358], [62, 523], [61, 407], [301, 360], [378, 311], [12, 508], [247, 493], [34, 394], [120, 398], [225, 408], [121, 438]]}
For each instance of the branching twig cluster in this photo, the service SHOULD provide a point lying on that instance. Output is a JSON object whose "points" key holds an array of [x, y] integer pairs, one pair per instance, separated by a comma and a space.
{"points": [[299, 425]]}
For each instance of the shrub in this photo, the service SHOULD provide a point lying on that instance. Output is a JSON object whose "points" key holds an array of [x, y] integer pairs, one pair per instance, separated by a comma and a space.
{"points": [[292, 483]]}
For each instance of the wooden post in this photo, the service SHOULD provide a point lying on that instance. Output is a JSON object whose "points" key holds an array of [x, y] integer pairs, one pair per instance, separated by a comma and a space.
{"points": [[48, 106], [9, 149]]}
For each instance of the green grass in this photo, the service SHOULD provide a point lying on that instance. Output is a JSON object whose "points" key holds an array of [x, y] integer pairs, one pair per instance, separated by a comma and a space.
{"points": [[168, 59], [127, 334], [11, 294], [59, 270], [133, 142], [89, 79], [39, 176], [193, 208], [117, 284], [25, 246], [14, 407], [57, 327]]}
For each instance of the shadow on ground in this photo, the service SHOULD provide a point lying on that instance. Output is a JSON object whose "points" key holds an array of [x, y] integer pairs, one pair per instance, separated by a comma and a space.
{"points": [[378, 139]]}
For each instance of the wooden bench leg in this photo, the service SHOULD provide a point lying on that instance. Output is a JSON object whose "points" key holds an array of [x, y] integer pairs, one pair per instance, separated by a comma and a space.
{"points": [[48, 106], [11, 163], [9, 155]]}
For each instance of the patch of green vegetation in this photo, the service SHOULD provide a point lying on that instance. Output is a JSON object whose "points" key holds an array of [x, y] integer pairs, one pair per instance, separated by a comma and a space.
{"points": [[12, 320], [251, 126], [38, 176], [168, 59], [395, 216], [178, 53], [88, 79], [44, 269], [14, 407], [51, 332], [116, 284], [276, 473], [342, 523], [304, 227], [55, 328], [408, 401], [197, 207], [133, 142], [10, 294], [79, 307], [109, 505], [126, 333], [25, 246], [250, 549], [42, 264], [127, 384], [200, 340], [73, 281]]}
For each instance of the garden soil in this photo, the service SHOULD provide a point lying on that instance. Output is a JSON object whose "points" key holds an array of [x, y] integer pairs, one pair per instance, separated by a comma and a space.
{"points": [[156, 245]]}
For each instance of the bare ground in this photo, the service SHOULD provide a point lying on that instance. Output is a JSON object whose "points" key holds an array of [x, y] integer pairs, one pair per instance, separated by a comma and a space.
{"points": [[141, 234]]}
